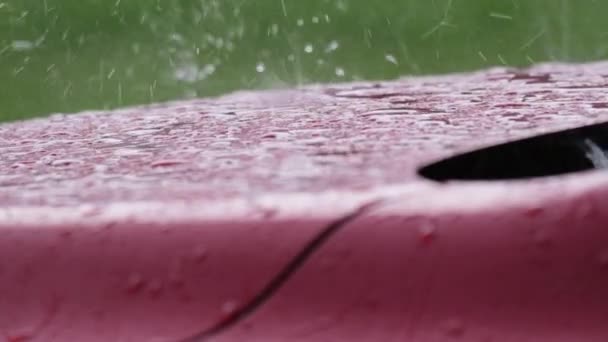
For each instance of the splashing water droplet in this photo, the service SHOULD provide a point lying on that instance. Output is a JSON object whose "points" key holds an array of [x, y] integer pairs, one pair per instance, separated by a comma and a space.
{"points": [[332, 46], [391, 59], [340, 72], [308, 48], [57, 117], [260, 67]]}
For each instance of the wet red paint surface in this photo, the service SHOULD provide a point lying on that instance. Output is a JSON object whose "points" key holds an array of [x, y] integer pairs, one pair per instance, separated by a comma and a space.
{"points": [[298, 215]]}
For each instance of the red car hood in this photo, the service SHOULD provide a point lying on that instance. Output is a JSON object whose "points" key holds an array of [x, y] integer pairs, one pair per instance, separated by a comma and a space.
{"points": [[300, 215]]}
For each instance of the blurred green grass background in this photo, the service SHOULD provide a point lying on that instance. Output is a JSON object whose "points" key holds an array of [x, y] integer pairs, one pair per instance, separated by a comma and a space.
{"points": [[70, 55]]}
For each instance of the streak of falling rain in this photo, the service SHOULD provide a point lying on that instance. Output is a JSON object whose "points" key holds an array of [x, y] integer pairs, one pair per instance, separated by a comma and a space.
{"points": [[483, 57], [502, 60], [151, 90], [500, 16], [566, 28], [533, 39]]}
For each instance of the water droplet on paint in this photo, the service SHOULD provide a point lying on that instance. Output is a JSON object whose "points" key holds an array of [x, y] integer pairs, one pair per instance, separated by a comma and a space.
{"points": [[167, 162], [542, 239], [199, 254], [229, 307], [21, 336], [143, 131], [66, 234], [428, 232], [176, 277], [65, 162], [155, 287], [126, 152], [135, 282], [276, 135], [454, 328], [88, 210], [534, 211], [109, 141], [585, 209], [101, 168], [602, 258]]}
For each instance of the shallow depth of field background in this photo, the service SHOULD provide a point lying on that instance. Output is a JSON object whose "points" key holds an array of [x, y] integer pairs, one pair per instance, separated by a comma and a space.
{"points": [[70, 55]]}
